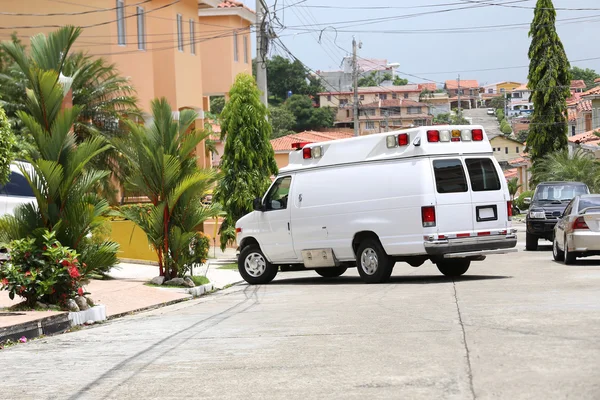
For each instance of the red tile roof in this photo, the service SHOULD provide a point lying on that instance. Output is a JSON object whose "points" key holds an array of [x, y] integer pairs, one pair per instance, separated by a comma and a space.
{"points": [[511, 173], [233, 4], [574, 99], [585, 138], [595, 90], [585, 105], [284, 143], [432, 87], [573, 114], [578, 84], [522, 88], [464, 84]]}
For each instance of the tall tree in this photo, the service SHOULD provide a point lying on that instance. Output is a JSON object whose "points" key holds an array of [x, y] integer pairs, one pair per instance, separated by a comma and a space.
{"points": [[307, 116], [549, 81], [282, 120], [587, 75], [248, 159], [217, 104]]}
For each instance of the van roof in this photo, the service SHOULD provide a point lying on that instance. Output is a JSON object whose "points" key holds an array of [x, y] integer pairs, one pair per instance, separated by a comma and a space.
{"points": [[374, 148]]}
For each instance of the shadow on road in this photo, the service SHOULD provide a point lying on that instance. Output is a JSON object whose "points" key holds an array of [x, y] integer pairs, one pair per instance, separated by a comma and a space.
{"points": [[410, 280]]}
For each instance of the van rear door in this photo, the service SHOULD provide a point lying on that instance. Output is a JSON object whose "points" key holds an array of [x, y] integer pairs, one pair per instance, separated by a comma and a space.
{"points": [[489, 208], [453, 200]]}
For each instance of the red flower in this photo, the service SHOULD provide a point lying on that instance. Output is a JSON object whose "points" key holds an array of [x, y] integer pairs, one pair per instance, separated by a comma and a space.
{"points": [[52, 291], [65, 263], [27, 255], [80, 291], [44, 248], [4, 282], [28, 273], [74, 272]]}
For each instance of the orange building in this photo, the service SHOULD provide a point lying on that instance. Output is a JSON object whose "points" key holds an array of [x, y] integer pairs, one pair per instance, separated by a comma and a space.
{"points": [[184, 50]]}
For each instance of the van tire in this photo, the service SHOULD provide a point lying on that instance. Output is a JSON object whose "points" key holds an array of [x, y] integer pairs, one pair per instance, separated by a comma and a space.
{"points": [[333, 272], [531, 242], [453, 268], [254, 266], [374, 265]]}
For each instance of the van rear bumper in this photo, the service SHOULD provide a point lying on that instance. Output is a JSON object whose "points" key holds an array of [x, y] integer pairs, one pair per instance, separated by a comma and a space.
{"points": [[469, 245]]}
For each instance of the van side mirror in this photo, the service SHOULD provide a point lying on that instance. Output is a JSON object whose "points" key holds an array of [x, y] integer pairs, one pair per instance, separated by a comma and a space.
{"points": [[527, 200], [257, 204]]}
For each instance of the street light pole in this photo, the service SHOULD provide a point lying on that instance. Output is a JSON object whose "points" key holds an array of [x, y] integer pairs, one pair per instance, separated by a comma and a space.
{"points": [[261, 46], [355, 84]]}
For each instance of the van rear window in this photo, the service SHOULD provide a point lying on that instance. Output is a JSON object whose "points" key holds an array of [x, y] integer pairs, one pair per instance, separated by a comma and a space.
{"points": [[449, 176], [483, 174], [17, 186]]}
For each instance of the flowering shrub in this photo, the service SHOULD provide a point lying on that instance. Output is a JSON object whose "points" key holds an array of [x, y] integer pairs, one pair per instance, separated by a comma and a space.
{"points": [[50, 273], [199, 247]]}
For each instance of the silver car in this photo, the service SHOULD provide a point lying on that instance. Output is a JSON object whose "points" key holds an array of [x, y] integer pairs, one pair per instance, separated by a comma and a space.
{"points": [[577, 233]]}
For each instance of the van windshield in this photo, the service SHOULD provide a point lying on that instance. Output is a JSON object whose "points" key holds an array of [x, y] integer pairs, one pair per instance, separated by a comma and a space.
{"points": [[559, 193]]}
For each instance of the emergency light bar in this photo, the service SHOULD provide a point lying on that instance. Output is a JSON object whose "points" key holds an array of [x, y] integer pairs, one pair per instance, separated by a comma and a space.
{"points": [[455, 135], [395, 141]]}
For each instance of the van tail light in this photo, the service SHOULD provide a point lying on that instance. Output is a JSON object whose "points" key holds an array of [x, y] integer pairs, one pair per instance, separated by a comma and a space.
{"points": [[403, 139], [509, 210], [306, 153], [428, 216], [477, 135], [580, 224], [433, 136]]}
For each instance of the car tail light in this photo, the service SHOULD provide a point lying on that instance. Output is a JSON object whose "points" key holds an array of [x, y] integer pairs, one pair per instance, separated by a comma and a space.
{"points": [[306, 153], [428, 216], [509, 210], [433, 136], [580, 224], [403, 139], [477, 135]]}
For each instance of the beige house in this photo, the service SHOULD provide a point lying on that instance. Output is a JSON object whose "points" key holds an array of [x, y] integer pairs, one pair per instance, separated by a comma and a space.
{"points": [[368, 95], [506, 149]]}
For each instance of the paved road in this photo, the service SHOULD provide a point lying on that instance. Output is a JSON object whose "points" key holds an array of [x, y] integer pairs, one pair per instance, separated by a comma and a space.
{"points": [[516, 326], [480, 117]]}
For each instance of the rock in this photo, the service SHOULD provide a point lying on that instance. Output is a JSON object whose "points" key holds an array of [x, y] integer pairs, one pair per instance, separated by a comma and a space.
{"points": [[39, 304], [176, 282], [90, 322], [189, 282], [81, 303], [90, 302], [72, 306], [158, 280]]}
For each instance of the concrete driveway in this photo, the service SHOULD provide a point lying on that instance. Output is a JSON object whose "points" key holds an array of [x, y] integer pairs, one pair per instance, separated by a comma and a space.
{"points": [[480, 117], [517, 326]]}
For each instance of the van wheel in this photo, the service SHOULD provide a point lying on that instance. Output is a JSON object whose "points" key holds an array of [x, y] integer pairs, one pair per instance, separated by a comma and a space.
{"points": [[374, 265], [254, 267], [531, 242], [569, 256], [331, 272], [453, 268], [557, 253]]}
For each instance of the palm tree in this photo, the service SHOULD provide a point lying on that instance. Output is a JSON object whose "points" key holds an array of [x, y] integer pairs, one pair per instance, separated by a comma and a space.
{"points": [[163, 168], [60, 174], [513, 187], [579, 166]]}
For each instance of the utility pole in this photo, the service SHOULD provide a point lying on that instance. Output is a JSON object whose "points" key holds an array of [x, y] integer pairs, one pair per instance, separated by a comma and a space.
{"points": [[261, 52], [387, 120], [458, 94], [355, 84]]}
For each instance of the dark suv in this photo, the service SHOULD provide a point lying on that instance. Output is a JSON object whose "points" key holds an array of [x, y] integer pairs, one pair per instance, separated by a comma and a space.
{"points": [[549, 201]]}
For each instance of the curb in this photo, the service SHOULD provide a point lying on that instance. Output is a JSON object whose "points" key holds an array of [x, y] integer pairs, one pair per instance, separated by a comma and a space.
{"points": [[198, 291], [33, 329]]}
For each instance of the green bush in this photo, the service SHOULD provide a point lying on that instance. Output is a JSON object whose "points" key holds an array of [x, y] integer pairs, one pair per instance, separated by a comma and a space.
{"points": [[520, 201], [505, 128], [44, 271], [500, 114]]}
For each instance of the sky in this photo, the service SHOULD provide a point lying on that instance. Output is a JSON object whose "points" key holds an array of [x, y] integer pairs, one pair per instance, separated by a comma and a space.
{"points": [[390, 30]]}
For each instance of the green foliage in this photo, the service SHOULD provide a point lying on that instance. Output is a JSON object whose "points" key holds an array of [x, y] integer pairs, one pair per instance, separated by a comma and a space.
{"points": [[513, 187], [162, 167], [587, 75], [284, 75], [450, 119], [400, 81], [61, 174], [42, 270], [505, 127], [282, 121], [200, 280], [248, 161], [522, 136], [307, 116], [7, 144], [498, 102], [579, 166], [520, 201], [549, 80], [217, 104], [500, 114]]}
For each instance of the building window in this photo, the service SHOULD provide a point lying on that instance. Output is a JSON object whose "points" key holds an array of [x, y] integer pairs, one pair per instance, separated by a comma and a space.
{"points": [[573, 130], [370, 125], [406, 95], [383, 96], [490, 91], [121, 23], [235, 47], [343, 102], [179, 32], [246, 49], [141, 28], [506, 150], [414, 110], [328, 98], [420, 122], [347, 113], [394, 96], [192, 37], [517, 149], [361, 97], [502, 91]]}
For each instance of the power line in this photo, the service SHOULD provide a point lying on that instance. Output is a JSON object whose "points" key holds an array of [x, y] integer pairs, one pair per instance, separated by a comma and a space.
{"points": [[528, 8]]}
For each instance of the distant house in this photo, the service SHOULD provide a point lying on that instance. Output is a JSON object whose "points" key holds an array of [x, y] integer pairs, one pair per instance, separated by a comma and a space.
{"points": [[577, 86], [283, 145], [468, 90], [500, 88], [519, 101], [384, 115], [506, 149]]}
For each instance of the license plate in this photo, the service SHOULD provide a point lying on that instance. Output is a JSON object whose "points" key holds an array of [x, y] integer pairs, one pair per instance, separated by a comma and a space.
{"points": [[487, 213]]}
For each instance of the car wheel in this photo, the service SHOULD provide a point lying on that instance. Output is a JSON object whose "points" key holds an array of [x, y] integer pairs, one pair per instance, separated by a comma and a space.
{"points": [[331, 272], [557, 253], [453, 268], [374, 265], [254, 266], [531, 242], [569, 256]]}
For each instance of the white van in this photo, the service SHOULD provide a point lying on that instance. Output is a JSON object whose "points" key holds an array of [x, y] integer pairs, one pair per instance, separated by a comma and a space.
{"points": [[428, 193], [17, 190]]}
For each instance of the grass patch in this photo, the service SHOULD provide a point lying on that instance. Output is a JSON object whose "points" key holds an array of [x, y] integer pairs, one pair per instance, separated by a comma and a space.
{"points": [[23, 307], [229, 266], [200, 280]]}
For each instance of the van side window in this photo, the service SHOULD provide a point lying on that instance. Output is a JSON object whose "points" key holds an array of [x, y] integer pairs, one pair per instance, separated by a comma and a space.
{"points": [[449, 176], [17, 186], [277, 197], [483, 174]]}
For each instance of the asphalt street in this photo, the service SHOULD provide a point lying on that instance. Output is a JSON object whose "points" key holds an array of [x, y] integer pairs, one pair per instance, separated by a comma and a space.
{"points": [[479, 117], [516, 326]]}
